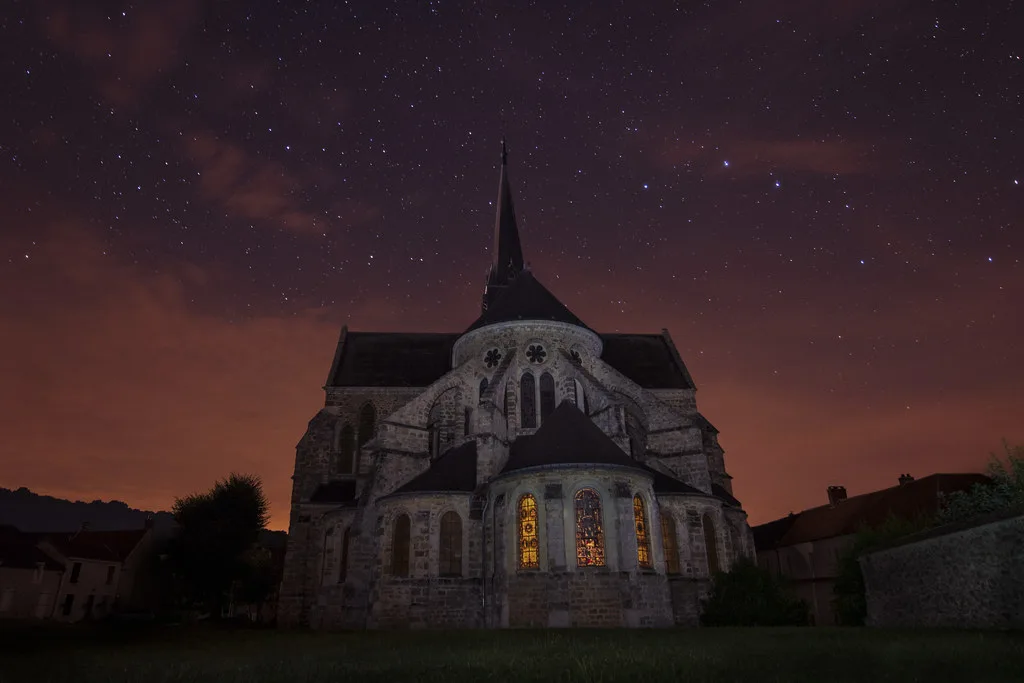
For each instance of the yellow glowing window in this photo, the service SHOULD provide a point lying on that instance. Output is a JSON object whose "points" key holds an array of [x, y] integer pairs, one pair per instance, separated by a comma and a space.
{"points": [[589, 532], [643, 545], [528, 543]]}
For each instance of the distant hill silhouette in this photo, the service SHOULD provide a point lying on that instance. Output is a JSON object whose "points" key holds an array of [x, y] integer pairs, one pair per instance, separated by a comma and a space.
{"points": [[30, 511]]}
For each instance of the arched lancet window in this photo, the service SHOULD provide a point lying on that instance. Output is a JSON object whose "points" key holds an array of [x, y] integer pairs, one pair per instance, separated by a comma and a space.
{"points": [[327, 568], [343, 569], [579, 397], [529, 543], [367, 423], [669, 545], [450, 550], [547, 395], [467, 422], [528, 401], [711, 545], [643, 543], [483, 388], [346, 450], [589, 530], [400, 547]]}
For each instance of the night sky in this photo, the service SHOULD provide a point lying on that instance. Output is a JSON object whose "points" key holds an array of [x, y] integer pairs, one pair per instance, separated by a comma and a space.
{"points": [[821, 201]]}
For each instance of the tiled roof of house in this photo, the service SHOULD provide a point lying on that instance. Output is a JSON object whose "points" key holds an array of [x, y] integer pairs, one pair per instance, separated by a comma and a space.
{"points": [[914, 499], [335, 491], [108, 546], [526, 299], [453, 471]]}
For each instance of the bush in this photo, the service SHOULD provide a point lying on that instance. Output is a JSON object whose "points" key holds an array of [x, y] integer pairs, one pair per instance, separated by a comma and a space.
{"points": [[1005, 491], [747, 595]]}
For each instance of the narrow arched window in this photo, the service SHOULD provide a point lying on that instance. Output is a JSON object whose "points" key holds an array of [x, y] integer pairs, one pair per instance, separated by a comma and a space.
{"points": [[343, 568], [547, 395], [450, 550], [467, 422], [400, 547], [589, 530], [643, 543], [711, 545], [668, 543], [528, 401], [579, 397], [483, 389], [327, 568], [367, 423], [529, 544], [346, 450]]}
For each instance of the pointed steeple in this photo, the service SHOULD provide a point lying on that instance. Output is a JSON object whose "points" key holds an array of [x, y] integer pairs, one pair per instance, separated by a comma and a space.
{"points": [[508, 252]]}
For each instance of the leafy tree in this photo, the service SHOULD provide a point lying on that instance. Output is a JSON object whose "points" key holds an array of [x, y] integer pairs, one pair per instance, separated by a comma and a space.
{"points": [[747, 595], [258, 579], [1005, 490], [217, 529]]}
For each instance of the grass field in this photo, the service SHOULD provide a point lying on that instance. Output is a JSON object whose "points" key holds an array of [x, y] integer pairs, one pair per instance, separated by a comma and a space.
{"points": [[748, 655]]}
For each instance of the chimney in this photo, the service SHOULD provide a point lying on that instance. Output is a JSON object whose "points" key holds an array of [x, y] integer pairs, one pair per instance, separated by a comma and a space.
{"points": [[905, 479], [836, 495]]}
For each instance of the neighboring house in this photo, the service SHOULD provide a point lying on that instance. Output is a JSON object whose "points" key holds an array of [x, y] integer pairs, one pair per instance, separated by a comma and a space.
{"points": [[526, 471], [805, 548], [29, 578]]}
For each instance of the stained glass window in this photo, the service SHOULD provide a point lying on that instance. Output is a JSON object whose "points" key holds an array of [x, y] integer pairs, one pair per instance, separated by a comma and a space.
{"points": [[589, 532], [529, 544], [400, 547], [668, 543], [547, 395], [643, 544], [450, 550], [711, 545], [346, 450], [528, 398], [343, 571]]}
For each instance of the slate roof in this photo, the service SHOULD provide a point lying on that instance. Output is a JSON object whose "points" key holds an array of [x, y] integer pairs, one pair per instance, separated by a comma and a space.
{"points": [[453, 471], [916, 498], [647, 359], [526, 299], [335, 491], [668, 485], [723, 495], [393, 359], [567, 436], [106, 546]]}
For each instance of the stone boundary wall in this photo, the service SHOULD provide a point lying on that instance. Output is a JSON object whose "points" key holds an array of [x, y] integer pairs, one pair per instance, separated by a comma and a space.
{"points": [[966, 575]]}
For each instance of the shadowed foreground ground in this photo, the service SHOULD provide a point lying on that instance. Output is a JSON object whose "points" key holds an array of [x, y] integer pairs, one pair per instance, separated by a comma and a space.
{"points": [[747, 655]]}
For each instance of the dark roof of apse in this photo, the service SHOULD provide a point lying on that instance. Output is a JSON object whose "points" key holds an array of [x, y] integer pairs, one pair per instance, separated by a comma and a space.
{"points": [[453, 472], [526, 299]]}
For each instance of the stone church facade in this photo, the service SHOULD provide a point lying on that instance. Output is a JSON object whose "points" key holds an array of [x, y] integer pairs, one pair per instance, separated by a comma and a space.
{"points": [[527, 472]]}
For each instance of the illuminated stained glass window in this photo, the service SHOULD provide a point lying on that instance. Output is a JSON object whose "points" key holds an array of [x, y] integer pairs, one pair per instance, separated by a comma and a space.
{"points": [[529, 544], [589, 531], [668, 543], [400, 547], [643, 544]]}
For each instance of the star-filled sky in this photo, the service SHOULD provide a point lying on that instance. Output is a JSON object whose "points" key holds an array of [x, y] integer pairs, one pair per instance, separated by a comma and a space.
{"points": [[821, 201]]}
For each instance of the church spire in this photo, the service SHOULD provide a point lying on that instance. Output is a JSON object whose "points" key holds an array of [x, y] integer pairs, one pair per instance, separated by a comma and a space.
{"points": [[508, 252]]}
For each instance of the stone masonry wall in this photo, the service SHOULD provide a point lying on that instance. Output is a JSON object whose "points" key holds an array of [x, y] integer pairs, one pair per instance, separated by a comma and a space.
{"points": [[594, 597], [961, 578]]}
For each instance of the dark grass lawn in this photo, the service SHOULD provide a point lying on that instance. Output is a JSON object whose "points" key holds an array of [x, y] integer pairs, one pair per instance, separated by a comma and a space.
{"points": [[158, 655]]}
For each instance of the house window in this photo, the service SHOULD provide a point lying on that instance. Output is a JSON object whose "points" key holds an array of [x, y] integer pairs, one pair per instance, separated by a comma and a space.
{"points": [[668, 544], [110, 574], [528, 401], [643, 543], [367, 423], [711, 545], [346, 450], [69, 601], [450, 550], [343, 570], [579, 397], [76, 570], [547, 395], [400, 547], [589, 532], [529, 545]]}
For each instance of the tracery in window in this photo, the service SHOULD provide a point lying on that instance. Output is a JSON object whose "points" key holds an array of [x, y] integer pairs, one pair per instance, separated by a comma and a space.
{"points": [[589, 531], [492, 358], [346, 450], [711, 545], [668, 543], [643, 544], [547, 395], [400, 547], [529, 544], [450, 550], [343, 569], [528, 401]]}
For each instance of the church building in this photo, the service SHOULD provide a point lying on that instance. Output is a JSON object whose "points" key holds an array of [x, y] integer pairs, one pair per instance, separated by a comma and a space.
{"points": [[528, 471]]}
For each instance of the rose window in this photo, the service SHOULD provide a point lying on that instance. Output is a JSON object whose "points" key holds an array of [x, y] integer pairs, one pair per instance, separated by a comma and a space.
{"points": [[575, 356], [536, 353], [492, 358]]}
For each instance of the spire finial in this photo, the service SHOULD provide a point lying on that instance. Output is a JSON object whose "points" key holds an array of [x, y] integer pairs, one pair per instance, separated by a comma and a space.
{"points": [[504, 152]]}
